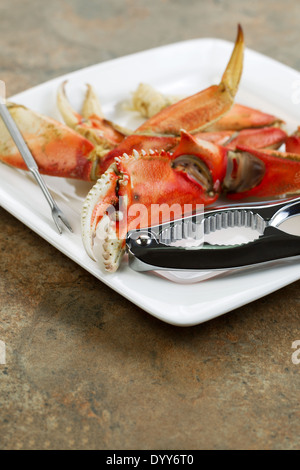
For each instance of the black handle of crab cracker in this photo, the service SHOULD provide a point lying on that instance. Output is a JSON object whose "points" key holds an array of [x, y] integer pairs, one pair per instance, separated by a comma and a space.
{"points": [[273, 245]]}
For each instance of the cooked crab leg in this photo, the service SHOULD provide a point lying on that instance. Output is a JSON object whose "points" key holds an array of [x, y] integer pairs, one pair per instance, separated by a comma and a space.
{"points": [[263, 138], [58, 150], [274, 174], [242, 117], [199, 111], [148, 101], [268, 137]]}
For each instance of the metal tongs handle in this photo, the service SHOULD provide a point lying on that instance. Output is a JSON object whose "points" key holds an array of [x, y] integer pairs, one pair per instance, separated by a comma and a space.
{"points": [[16, 135], [147, 252], [274, 245]]}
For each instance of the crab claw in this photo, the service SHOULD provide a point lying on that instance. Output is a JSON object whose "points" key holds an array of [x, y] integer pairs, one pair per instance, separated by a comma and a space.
{"points": [[147, 188], [91, 124], [95, 221], [199, 111], [261, 173], [57, 149]]}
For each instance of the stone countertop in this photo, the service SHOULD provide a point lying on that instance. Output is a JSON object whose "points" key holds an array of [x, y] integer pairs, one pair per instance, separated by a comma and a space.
{"points": [[87, 369]]}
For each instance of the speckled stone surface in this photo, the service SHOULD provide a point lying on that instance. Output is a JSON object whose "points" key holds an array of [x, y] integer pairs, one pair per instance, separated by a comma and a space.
{"points": [[86, 369]]}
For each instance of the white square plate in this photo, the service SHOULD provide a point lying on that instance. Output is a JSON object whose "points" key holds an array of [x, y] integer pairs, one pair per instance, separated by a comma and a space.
{"points": [[181, 69]]}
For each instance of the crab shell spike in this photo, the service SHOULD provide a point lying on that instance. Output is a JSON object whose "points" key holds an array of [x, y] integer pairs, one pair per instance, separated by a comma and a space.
{"points": [[232, 75], [69, 115], [110, 251], [102, 194], [91, 104], [199, 111], [92, 125]]}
